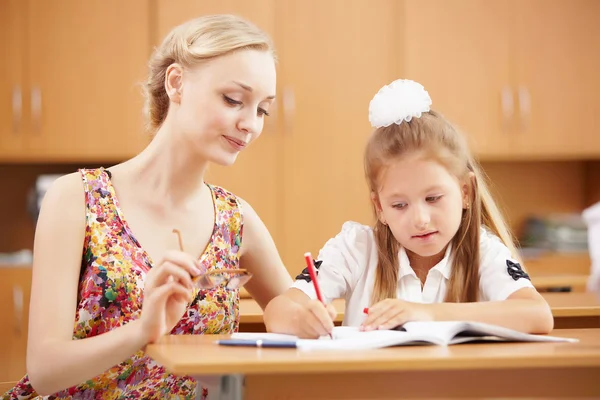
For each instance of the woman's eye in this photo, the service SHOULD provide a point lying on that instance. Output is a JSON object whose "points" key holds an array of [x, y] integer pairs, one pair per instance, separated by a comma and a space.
{"points": [[262, 111], [399, 206], [231, 101]]}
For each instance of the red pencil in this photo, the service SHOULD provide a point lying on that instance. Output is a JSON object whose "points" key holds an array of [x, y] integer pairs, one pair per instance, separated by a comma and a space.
{"points": [[310, 265]]}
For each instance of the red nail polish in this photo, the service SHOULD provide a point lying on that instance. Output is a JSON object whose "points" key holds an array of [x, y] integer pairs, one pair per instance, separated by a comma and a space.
{"points": [[366, 310]]}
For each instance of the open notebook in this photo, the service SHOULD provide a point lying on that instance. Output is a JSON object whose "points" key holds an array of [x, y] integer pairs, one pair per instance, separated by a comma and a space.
{"points": [[412, 333]]}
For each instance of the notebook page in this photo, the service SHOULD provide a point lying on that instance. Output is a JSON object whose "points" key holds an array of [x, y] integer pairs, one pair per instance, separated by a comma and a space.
{"points": [[509, 334], [360, 341], [454, 332], [441, 331], [339, 332]]}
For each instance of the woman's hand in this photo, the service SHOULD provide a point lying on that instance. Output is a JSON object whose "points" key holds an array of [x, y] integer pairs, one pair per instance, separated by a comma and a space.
{"points": [[314, 319], [390, 313], [168, 289]]}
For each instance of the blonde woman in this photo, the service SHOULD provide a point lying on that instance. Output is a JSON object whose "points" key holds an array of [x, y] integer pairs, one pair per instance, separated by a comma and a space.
{"points": [[106, 280]]}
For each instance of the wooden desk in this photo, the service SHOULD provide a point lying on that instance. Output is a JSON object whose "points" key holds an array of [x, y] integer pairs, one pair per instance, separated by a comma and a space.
{"points": [[570, 310], [574, 310], [467, 370], [251, 313], [570, 282]]}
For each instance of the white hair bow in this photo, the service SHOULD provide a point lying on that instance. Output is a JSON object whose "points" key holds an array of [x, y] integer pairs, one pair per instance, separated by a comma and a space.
{"points": [[399, 101]]}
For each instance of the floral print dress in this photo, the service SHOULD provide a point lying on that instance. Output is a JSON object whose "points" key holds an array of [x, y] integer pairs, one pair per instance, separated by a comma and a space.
{"points": [[111, 284]]}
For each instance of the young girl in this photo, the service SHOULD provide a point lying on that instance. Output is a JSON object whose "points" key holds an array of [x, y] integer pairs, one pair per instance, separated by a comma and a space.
{"points": [[440, 249], [108, 275]]}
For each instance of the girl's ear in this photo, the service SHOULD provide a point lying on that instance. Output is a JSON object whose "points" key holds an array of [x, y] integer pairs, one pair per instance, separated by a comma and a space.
{"points": [[468, 184], [377, 205]]}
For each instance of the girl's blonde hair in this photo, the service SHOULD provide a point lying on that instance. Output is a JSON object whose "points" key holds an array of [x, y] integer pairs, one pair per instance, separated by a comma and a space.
{"points": [[193, 43], [434, 137]]}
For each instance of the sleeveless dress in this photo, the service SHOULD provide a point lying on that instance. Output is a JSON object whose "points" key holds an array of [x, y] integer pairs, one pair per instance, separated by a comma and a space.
{"points": [[113, 269]]}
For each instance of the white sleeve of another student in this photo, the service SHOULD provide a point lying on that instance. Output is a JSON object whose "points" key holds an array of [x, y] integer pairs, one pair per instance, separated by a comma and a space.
{"points": [[500, 274], [340, 263]]}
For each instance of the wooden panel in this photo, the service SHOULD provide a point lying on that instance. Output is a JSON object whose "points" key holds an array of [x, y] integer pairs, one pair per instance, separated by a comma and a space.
{"points": [[559, 263], [562, 282], [259, 12], [12, 71], [6, 386], [524, 383], [335, 55], [87, 60], [459, 50], [15, 289], [256, 175], [557, 58], [592, 183], [576, 322]]}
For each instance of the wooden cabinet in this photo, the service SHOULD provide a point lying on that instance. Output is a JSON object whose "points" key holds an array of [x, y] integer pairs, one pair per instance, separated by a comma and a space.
{"points": [[556, 77], [335, 55], [15, 289], [519, 77], [460, 51], [11, 78], [77, 66], [256, 175]]}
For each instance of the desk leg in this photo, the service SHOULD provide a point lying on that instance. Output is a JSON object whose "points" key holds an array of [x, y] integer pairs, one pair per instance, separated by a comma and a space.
{"points": [[224, 387]]}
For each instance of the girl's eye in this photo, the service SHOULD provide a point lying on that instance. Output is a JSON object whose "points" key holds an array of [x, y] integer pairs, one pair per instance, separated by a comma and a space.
{"points": [[231, 101], [399, 206], [433, 199], [262, 111]]}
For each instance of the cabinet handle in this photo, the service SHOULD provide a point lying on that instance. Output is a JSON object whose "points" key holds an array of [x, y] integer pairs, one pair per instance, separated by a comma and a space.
{"points": [[18, 309], [508, 107], [36, 109], [17, 108], [524, 107]]}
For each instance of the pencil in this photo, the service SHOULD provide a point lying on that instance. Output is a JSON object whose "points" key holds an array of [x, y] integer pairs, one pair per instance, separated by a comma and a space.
{"points": [[313, 276]]}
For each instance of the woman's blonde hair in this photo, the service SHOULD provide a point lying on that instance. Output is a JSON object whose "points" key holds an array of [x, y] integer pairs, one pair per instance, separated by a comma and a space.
{"points": [[434, 137], [193, 43]]}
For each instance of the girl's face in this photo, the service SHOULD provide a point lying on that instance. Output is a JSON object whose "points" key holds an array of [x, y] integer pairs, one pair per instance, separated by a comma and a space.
{"points": [[422, 204], [220, 106]]}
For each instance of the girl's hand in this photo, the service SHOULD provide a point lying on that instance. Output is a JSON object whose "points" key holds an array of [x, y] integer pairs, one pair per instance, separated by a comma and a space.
{"points": [[390, 313], [168, 290], [314, 319]]}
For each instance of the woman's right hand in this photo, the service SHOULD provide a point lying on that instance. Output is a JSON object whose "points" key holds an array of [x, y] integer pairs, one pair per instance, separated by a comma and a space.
{"points": [[168, 290], [314, 319]]}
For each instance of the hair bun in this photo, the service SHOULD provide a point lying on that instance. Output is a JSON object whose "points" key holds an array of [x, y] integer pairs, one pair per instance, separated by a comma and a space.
{"points": [[399, 101]]}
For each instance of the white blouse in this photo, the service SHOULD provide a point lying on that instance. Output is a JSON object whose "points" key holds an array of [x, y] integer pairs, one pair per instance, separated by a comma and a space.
{"points": [[349, 261]]}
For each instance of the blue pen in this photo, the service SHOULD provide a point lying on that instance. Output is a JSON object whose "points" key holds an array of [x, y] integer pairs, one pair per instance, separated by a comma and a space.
{"points": [[258, 343]]}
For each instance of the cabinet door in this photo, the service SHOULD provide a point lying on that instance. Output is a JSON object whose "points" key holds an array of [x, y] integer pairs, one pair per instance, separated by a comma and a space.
{"points": [[459, 50], [557, 54], [15, 289], [256, 175], [87, 60], [335, 55], [12, 123]]}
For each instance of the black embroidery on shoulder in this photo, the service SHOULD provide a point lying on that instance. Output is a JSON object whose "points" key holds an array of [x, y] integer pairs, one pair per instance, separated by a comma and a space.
{"points": [[305, 275], [515, 271]]}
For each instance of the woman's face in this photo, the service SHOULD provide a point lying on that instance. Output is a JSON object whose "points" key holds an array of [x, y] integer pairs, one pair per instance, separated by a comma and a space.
{"points": [[219, 107]]}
